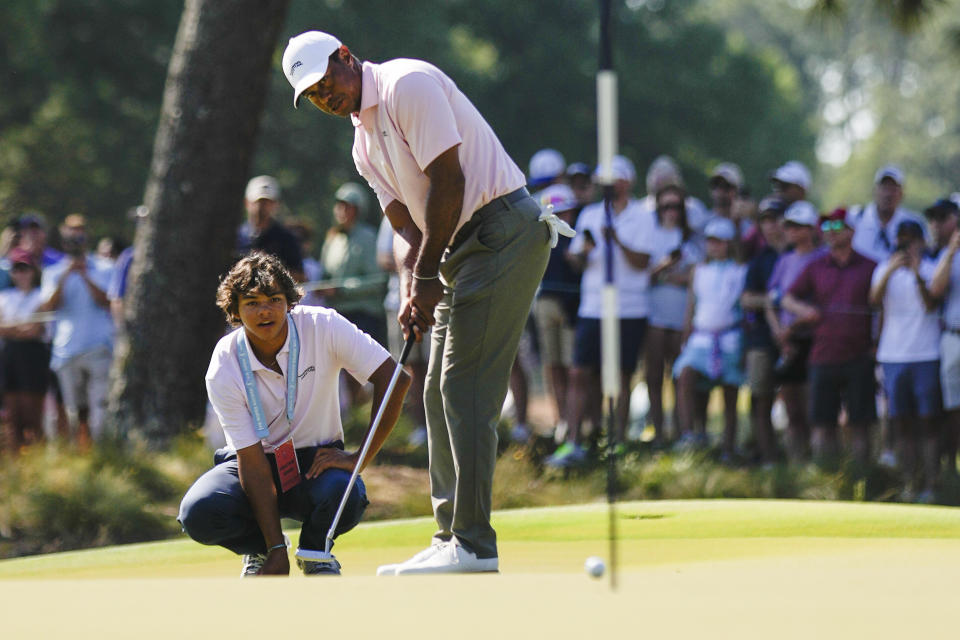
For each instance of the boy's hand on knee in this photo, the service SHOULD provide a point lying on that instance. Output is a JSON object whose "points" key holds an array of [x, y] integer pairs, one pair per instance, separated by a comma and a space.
{"points": [[277, 563], [329, 458]]}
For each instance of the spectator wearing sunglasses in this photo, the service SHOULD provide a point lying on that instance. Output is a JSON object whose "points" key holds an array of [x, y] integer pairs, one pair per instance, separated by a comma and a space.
{"points": [[674, 253], [794, 340], [831, 295]]}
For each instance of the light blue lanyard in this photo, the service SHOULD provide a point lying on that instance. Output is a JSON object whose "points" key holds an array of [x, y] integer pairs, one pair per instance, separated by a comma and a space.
{"points": [[250, 381]]}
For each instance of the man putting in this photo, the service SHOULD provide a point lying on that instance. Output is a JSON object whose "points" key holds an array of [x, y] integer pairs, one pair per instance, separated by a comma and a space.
{"points": [[470, 254], [273, 383]]}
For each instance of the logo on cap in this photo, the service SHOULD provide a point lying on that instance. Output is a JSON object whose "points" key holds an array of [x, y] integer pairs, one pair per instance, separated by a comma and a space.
{"points": [[294, 67]]}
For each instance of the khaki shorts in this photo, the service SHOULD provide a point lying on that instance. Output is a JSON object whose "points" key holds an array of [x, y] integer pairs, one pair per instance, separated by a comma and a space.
{"points": [[760, 371], [554, 332]]}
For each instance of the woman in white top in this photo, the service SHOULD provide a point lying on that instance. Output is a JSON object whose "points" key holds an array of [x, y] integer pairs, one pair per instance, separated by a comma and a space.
{"points": [[712, 353], [26, 353], [674, 254]]}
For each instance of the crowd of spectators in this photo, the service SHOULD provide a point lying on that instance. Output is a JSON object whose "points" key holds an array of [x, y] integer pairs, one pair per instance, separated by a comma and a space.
{"points": [[849, 318]]}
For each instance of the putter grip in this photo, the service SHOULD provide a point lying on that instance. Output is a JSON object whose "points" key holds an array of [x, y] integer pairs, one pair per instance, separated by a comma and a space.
{"points": [[407, 347]]}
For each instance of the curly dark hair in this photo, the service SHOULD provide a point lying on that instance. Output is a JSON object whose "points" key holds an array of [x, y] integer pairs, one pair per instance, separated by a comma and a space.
{"points": [[257, 272]]}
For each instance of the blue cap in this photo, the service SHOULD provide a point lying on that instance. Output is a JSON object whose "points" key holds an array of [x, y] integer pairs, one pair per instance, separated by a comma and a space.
{"points": [[911, 227]]}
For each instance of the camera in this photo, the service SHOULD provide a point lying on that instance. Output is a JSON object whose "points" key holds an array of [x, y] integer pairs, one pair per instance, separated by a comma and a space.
{"points": [[74, 244]]}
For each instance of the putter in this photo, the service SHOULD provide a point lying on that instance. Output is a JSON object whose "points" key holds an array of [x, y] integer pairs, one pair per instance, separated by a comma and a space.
{"points": [[325, 555]]}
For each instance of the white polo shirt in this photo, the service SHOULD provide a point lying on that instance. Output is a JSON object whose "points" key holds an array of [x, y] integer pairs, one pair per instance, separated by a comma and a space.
{"points": [[875, 240], [634, 227], [910, 333], [410, 113], [328, 343]]}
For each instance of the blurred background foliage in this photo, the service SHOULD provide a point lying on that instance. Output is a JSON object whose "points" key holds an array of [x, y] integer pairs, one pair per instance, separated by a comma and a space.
{"points": [[753, 81]]}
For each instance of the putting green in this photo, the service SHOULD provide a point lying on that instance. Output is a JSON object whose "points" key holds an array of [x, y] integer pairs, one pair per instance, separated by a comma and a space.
{"points": [[730, 568]]}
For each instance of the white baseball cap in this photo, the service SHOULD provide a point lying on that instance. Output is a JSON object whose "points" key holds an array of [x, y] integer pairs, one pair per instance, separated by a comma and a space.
{"points": [[622, 169], [803, 213], [663, 172], [891, 171], [720, 229], [546, 165], [560, 196], [793, 172], [305, 60], [262, 188], [729, 173]]}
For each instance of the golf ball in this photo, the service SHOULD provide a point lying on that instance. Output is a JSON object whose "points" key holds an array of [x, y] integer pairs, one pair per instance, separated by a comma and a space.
{"points": [[594, 566]]}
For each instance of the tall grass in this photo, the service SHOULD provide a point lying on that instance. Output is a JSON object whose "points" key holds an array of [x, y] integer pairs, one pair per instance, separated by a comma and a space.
{"points": [[53, 498]]}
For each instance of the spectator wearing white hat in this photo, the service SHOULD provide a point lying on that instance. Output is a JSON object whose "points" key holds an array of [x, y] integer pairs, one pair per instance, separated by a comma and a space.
{"points": [[875, 232], [875, 224], [791, 182], [629, 239], [909, 352], [262, 231], [793, 340], [712, 351], [547, 167]]}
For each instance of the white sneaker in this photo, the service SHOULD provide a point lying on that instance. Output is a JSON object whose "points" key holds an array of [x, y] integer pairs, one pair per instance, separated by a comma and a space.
{"points": [[452, 558], [391, 569]]}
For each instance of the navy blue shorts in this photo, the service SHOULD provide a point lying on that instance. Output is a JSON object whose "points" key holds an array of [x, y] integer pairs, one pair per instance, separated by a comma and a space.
{"points": [[586, 343], [216, 510], [912, 388]]}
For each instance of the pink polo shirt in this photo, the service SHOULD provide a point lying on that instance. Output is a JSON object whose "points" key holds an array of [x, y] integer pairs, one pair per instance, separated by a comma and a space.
{"points": [[411, 112]]}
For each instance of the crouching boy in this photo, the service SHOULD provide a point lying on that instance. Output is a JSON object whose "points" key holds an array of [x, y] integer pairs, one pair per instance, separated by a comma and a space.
{"points": [[273, 385]]}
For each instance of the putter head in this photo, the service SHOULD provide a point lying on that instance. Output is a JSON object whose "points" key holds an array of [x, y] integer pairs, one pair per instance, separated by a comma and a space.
{"points": [[311, 555], [317, 562]]}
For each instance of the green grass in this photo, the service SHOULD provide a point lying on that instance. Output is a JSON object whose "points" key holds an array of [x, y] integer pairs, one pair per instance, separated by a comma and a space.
{"points": [[547, 538]]}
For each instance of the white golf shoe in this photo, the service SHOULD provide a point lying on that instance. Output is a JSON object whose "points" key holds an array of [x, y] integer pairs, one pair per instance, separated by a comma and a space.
{"points": [[391, 569], [452, 558]]}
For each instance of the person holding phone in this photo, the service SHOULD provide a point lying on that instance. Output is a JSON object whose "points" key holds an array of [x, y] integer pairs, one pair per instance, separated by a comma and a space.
{"points": [[629, 238], [675, 251]]}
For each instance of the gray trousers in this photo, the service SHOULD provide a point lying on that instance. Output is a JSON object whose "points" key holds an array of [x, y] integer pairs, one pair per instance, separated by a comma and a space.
{"points": [[491, 273]]}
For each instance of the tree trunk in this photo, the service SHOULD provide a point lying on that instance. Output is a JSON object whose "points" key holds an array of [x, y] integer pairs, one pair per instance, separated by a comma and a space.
{"points": [[214, 95]]}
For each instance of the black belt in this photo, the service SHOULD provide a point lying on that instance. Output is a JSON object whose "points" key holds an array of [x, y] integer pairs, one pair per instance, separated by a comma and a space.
{"points": [[953, 330], [497, 204]]}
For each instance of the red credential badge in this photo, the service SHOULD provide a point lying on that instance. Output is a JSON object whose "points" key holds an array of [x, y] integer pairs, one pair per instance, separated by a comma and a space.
{"points": [[287, 465]]}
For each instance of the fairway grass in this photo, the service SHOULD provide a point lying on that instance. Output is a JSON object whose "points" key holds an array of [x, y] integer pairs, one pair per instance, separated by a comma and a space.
{"points": [[717, 569]]}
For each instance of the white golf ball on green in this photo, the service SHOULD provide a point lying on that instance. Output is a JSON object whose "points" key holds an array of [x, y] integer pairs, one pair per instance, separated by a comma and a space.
{"points": [[594, 566]]}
